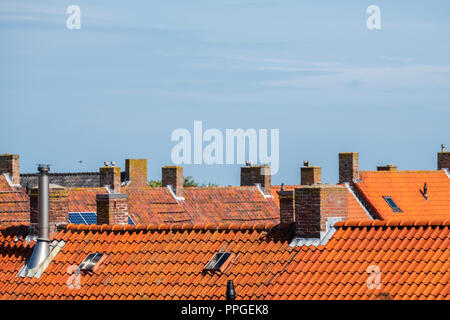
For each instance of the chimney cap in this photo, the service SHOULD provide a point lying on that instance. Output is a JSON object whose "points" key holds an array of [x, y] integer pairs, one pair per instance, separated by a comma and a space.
{"points": [[43, 168]]}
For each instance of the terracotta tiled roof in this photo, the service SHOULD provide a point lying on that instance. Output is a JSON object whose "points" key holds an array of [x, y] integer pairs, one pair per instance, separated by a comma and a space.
{"points": [[166, 262], [14, 204], [405, 189], [201, 205]]}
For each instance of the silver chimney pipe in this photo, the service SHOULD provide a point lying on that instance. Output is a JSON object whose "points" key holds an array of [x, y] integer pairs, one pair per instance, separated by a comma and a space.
{"points": [[42, 248]]}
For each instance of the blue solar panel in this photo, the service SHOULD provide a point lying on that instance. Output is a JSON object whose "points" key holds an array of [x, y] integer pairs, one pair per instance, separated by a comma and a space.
{"points": [[88, 218], [83, 217], [75, 217]]}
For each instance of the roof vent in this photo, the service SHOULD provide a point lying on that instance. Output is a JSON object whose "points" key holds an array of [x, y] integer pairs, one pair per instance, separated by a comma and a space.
{"points": [[425, 191], [231, 294]]}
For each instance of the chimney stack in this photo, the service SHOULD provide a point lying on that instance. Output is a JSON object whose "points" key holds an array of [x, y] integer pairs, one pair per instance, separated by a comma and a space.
{"points": [[287, 214], [112, 208], [173, 176], [9, 163], [136, 172], [57, 204], [110, 176], [42, 248], [252, 175], [389, 167], [310, 175], [443, 160], [315, 204], [348, 167]]}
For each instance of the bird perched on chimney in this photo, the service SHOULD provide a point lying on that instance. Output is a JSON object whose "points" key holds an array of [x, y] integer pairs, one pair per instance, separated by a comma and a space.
{"points": [[282, 186], [248, 163], [306, 163], [443, 147]]}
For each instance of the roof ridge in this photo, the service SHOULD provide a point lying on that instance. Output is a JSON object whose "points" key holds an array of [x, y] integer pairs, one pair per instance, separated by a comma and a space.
{"points": [[174, 226], [393, 223]]}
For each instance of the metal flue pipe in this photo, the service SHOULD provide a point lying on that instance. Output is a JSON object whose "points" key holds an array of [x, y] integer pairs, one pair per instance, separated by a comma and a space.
{"points": [[41, 249]]}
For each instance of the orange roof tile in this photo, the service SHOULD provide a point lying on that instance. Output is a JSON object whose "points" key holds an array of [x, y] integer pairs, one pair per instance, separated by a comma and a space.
{"points": [[167, 262], [405, 189], [14, 204]]}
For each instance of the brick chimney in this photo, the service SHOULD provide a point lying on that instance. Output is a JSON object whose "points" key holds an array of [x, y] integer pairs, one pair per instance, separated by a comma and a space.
{"points": [[348, 166], [443, 160], [389, 167], [173, 176], [58, 205], [252, 175], [9, 163], [287, 214], [315, 204], [136, 172], [310, 175], [110, 176], [112, 208]]}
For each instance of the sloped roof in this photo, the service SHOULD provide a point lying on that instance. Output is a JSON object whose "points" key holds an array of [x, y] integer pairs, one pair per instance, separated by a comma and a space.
{"points": [[167, 262], [405, 189], [201, 204], [65, 179], [14, 204]]}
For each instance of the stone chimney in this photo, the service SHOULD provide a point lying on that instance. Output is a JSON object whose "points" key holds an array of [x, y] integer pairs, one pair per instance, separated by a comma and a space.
{"points": [[110, 176], [252, 175], [173, 176], [58, 205], [287, 214], [348, 167], [136, 172], [310, 175], [316, 204], [389, 167], [443, 160], [112, 208], [9, 163]]}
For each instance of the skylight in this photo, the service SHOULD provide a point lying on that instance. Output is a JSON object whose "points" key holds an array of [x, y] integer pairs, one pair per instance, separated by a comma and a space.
{"points": [[217, 262], [392, 204], [90, 261]]}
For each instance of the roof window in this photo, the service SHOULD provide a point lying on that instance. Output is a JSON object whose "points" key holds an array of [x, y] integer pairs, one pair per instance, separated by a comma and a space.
{"points": [[392, 204]]}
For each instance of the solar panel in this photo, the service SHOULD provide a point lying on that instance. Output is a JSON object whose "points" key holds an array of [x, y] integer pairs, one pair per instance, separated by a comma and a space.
{"points": [[217, 261], [392, 204], [88, 218], [90, 261], [83, 217]]}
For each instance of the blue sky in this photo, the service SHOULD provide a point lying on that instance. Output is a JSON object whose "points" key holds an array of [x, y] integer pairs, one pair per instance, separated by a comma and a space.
{"points": [[138, 70]]}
